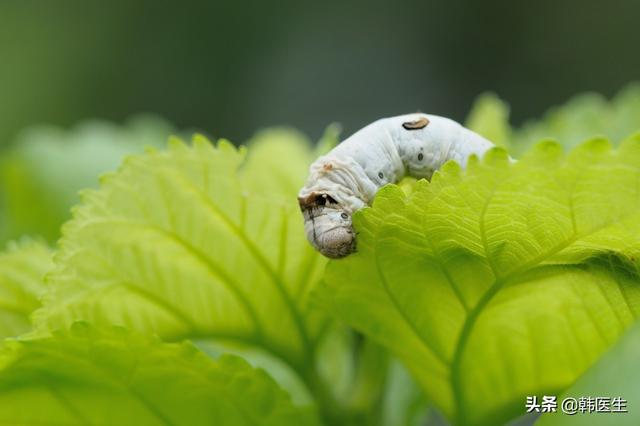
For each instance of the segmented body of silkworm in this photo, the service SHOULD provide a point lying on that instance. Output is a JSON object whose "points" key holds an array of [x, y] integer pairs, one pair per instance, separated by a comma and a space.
{"points": [[385, 151]]}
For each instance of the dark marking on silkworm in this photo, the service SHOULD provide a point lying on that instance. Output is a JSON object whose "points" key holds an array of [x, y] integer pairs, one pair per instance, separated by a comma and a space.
{"points": [[315, 199], [420, 156], [323, 199], [313, 224], [418, 124], [381, 175], [330, 199]]}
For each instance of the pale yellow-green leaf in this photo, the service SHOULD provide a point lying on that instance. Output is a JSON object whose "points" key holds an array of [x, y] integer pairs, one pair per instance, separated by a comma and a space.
{"points": [[195, 241], [501, 281], [88, 376], [22, 269]]}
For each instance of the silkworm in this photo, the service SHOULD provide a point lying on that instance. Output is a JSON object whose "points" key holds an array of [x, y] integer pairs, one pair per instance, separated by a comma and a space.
{"points": [[348, 177]]}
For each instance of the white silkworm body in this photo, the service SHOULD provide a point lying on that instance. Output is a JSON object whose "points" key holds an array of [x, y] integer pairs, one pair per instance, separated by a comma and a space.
{"points": [[385, 151]]}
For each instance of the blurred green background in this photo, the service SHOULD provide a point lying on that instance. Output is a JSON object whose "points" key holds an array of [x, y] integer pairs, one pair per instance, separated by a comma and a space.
{"points": [[78, 79], [229, 67]]}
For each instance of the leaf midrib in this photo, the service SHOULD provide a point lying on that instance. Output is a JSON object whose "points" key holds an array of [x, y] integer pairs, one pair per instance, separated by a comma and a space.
{"points": [[256, 339], [261, 260], [498, 284]]}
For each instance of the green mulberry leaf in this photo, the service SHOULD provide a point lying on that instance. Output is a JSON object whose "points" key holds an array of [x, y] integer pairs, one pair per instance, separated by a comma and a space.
{"points": [[501, 281], [87, 376], [186, 243], [22, 269]]}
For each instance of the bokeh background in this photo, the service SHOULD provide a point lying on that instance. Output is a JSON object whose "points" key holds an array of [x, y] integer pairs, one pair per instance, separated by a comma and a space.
{"points": [[229, 67], [83, 84]]}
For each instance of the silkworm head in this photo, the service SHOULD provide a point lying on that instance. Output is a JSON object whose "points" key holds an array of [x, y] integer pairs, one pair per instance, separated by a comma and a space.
{"points": [[328, 227]]}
